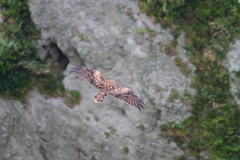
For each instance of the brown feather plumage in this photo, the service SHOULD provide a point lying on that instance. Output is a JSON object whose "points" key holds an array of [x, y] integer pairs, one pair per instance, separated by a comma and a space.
{"points": [[106, 87]]}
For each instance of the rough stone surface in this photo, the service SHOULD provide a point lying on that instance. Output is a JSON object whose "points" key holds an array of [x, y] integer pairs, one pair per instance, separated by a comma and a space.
{"points": [[100, 35], [1, 20], [233, 65]]}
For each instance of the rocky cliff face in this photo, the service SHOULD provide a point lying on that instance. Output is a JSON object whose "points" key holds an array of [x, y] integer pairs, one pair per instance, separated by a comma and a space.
{"points": [[233, 65], [110, 36]]}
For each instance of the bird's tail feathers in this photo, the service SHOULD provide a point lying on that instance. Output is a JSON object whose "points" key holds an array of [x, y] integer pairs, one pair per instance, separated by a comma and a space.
{"points": [[99, 97]]}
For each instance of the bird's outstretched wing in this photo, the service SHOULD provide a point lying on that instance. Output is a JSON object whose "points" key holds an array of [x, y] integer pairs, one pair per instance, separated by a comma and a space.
{"points": [[87, 74], [125, 94], [95, 78]]}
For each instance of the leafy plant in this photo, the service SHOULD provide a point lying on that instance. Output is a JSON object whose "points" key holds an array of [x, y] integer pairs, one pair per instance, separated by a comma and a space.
{"points": [[141, 127], [16, 49], [182, 66], [125, 149], [175, 131], [113, 131], [186, 98], [159, 88], [176, 34], [173, 95], [20, 67], [140, 31], [107, 134], [130, 14], [150, 32], [42, 150], [158, 113], [82, 37], [96, 118], [168, 49], [15, 84], [73, 98], [121, 51], [93, 158]]}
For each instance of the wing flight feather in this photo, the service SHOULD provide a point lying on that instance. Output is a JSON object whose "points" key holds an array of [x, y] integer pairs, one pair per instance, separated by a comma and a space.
{"points": [[129, 97], [87, 74], [96, 79]]}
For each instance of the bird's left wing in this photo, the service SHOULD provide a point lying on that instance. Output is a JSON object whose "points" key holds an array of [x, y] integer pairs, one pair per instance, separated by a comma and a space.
{"points": [[125, 94], [87, 74]]}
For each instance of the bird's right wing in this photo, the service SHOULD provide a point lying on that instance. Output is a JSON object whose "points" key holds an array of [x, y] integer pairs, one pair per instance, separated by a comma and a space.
{"points": [[87, 74], [125, 94]]}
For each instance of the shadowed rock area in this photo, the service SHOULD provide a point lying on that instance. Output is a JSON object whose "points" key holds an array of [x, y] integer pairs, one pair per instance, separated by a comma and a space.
{"points": [[101, 35]]}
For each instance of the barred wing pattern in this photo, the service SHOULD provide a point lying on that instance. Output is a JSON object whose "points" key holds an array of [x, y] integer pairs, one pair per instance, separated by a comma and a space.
{"points": [[129, 97], [106, 87], [87, 74]]}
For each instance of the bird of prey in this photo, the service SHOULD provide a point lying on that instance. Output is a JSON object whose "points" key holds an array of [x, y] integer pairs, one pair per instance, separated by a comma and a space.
{"points": [[106, 87]]}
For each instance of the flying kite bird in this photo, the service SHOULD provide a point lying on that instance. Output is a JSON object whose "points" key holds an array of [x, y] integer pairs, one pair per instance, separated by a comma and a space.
{"points": [[106, 87]]}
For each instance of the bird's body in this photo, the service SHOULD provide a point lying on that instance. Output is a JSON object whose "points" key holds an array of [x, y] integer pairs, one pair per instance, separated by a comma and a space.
{"points": [[107, 87]]}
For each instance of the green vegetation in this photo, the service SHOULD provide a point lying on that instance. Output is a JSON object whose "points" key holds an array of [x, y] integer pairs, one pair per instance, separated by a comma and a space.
{"points": [[168, 49], [210, 26], [186, 98], [125, 150], [42, 150], [176, 132], [150, 32], [113, 131], [121, 51], [107, 134], [93, 158], [182, 157], [141, 127], [159, 88], [185, 70], [130, 14], [140, 31], [96, 118], [73, 98], [20, 67], [173, 95], [50, 84], [158, 113], [176, 34], [16, 49], [82, 37]]}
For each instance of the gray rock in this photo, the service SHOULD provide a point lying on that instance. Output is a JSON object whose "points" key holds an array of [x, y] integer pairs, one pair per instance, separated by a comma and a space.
{"points": [[233, 65], [1, 19], [100, 35], [18, 135]]}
